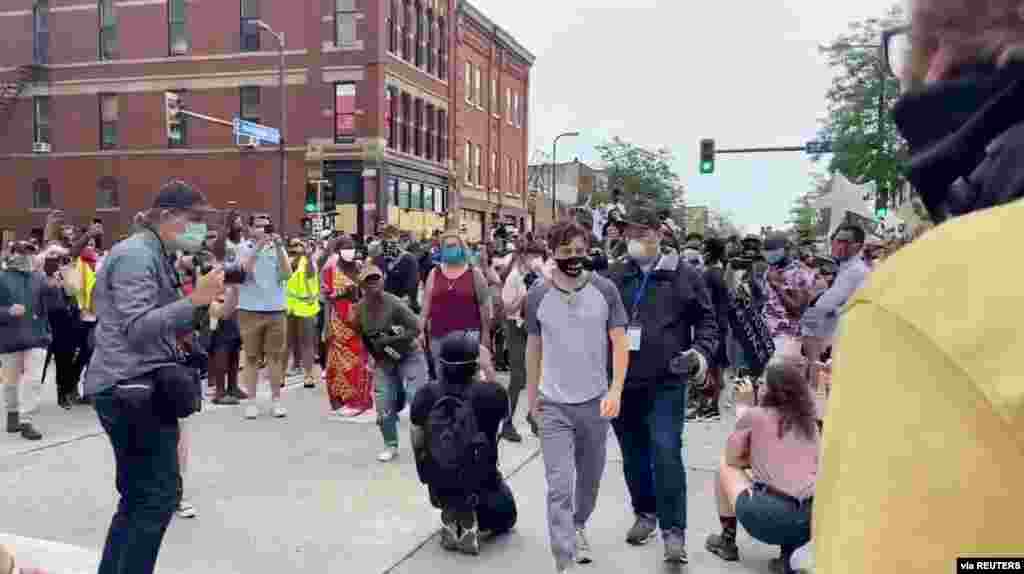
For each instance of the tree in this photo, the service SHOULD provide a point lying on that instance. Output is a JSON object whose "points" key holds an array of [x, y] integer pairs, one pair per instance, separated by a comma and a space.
{"points": [[865, 143], [802, 216], [644, 175]]}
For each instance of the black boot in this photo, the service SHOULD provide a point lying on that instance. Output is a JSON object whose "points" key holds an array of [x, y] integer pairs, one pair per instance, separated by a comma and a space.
{"points": [[13, 423], [29, 432], [509, 432]]}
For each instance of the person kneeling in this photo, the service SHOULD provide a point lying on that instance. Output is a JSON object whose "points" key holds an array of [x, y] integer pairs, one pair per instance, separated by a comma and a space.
{"points": [[779, 441], [455, 438]]}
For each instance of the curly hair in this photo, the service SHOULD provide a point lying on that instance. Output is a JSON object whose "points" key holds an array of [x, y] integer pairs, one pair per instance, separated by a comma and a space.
{"points": [[789, 393]]}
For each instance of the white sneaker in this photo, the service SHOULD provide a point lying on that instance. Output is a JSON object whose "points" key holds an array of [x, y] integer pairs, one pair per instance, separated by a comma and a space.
{"points": [[252, 412], [389, 454], [186, 510], [279, 412]]}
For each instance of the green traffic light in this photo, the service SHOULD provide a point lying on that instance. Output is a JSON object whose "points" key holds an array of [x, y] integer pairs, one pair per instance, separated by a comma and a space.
{"points": [[310, 208], [707, 167]]}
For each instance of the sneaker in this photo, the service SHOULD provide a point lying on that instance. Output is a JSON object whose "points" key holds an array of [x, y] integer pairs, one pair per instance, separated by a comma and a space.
{"points": [[225, 399], [692, 413], [387, 455], [643, 530], [237, 393], [279, 412], [449, 535], [469, 542], [252, 412], [722, 547], [186, 510], [509, 433], [675, 546], [29, 432], [709, 416], [583, 555]]}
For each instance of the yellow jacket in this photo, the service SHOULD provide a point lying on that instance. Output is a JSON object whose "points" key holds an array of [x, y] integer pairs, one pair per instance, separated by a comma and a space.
{"points": [[924, 442], [303, 292]]}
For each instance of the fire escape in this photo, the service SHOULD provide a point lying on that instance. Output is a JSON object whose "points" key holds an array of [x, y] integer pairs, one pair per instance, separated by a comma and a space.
{"points": [[12, 88]]}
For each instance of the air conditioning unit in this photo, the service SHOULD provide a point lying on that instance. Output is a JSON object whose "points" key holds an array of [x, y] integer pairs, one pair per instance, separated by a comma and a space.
{"points": [[248, 142], [40, 147]]}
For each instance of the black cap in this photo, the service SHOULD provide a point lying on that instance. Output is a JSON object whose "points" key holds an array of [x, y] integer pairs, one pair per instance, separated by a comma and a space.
{"points": [[179, 195], [643, 216]]}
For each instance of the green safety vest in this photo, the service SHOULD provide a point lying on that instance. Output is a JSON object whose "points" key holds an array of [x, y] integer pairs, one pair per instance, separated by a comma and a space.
{"points": [[303, 292]]}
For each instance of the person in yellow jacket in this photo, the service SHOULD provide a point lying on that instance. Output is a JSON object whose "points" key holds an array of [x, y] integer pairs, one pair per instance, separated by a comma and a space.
{"points": [[303, 294], [924, 440]]}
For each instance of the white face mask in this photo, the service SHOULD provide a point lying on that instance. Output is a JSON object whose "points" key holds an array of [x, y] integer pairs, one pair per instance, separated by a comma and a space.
{"points": [[638, 250], [347, 255]]}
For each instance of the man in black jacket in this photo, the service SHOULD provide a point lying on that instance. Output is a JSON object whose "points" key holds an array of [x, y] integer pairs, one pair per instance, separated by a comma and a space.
{"points": [[400, 268], [673, 334]]}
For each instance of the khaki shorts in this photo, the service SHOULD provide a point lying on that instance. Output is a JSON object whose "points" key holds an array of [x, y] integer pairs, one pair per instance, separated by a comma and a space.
{"points": [[263, 334]]}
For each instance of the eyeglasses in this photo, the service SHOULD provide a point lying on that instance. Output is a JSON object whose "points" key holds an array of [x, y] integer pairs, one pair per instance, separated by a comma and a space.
{"points": [[896, 50]]}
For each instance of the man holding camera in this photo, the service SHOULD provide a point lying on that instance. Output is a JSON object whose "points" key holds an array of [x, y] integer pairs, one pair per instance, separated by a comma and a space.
{"points": [[673, 333], [261, 311], [24, 336], [142, 314]]}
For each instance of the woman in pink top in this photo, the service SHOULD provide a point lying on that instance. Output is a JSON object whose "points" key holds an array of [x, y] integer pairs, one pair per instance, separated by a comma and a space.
{"points": [[778, 441]]}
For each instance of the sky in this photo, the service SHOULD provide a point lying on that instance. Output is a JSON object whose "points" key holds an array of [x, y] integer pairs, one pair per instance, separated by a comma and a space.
{"points": [[666, 73]]}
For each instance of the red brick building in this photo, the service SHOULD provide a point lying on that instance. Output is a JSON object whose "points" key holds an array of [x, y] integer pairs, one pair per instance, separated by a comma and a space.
{"points": [[377, 126]]}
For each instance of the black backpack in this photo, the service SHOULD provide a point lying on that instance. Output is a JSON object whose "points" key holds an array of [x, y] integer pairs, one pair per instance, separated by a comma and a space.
{"points": [[459, 451]]}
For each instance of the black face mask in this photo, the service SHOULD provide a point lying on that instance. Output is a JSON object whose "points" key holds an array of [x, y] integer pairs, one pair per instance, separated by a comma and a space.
{"points": [[572, 266]]}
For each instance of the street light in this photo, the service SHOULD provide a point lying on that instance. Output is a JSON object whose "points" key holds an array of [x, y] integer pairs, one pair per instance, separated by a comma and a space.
{"points": [[554, 174], [284, 120]]}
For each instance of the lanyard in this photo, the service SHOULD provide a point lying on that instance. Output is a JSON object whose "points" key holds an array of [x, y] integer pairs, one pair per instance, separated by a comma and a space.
{"points": [[639, 295]]}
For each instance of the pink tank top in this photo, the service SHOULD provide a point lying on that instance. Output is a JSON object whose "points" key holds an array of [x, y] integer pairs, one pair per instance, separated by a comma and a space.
{"points": [[453, 305]]}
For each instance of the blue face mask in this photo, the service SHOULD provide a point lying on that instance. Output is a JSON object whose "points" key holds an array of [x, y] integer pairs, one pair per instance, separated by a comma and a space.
{"points": [[191, 240], [775, 256], [453, 255]]}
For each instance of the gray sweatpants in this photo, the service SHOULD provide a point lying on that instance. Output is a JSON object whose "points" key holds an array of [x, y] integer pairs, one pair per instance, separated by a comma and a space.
{"points": [[573, 442]]}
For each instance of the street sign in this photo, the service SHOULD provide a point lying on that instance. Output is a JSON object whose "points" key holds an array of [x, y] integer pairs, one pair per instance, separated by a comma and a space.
{"points": [[253, 130], [818, 147]]}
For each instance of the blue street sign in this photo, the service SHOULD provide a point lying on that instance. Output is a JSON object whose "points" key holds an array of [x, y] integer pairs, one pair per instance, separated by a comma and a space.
{"points": [[261, 132]]}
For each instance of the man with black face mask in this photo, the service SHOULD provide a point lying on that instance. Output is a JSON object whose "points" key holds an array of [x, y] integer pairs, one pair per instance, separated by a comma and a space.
{"points": [[937, 330], [789, 284], [400, 267]]}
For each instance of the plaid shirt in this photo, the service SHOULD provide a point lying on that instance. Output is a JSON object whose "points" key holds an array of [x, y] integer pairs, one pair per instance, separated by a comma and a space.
{"points": [[795, 276]]}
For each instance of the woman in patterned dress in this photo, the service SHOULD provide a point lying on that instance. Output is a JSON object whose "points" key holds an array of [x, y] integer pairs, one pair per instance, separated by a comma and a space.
{"points": [[348, 384]]}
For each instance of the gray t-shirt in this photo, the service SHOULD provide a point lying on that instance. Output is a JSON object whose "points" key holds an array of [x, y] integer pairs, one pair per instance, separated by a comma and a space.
{"points": [[574, 337]]}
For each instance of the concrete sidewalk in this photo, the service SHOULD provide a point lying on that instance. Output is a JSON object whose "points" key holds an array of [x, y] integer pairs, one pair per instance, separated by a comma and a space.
{"points": [[305, 494]]}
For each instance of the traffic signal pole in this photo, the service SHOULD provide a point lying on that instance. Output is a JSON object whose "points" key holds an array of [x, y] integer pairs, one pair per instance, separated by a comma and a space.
{"points": [[206, 118], [762, 149]]}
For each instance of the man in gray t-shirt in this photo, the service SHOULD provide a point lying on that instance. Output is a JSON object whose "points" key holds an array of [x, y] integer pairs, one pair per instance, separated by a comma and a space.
{"points": [[574, 321]]}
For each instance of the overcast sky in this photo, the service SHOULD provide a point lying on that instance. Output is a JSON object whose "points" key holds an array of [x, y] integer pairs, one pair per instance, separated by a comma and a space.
{"points": [[670, 72]]}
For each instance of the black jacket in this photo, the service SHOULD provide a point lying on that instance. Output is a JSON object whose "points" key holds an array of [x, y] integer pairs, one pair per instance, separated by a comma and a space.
{"points": [[402, 276], [675, 314], [31, 330]]}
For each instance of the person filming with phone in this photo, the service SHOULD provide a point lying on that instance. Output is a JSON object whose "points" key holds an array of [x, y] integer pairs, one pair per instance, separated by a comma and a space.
{"points": [[137, 380]]}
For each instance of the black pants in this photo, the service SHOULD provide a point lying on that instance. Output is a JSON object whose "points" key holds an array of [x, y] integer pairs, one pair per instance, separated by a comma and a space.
{"points": [[495, 507], [516, 338], [148, 480], [63, 347]]}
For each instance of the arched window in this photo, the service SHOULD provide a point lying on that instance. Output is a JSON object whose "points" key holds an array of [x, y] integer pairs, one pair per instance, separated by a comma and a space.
{"points": [[42, 198], [107, 196]]}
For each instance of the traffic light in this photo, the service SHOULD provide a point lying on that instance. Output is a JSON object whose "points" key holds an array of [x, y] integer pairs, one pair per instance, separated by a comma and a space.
{"points": [[881, 212], [707, 156], [172, 108]]}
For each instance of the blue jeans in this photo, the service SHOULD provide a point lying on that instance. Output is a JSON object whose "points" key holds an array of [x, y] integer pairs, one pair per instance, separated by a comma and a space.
{"points": [[146, 457], [774, 519], [649, 429], [394, 386]]}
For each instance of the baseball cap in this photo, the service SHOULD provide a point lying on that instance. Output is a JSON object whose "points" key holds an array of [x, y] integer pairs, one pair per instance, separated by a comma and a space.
{"points": [[179, 195], [370, 271]]}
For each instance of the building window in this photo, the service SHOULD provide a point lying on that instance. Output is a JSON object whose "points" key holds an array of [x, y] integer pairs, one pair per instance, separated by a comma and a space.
{"points": [[344, 22], [494, 94], [41, 32], [249, 107], [442, 46], [478, 165], [476, 85], [515, 108], [42, 198], [409, 20], [106, 194], [417, 127], [176, 31], [421, 34], [428, 198], [250, 32], [431, 42], [180, 129], [391, 117], [442, 136], [393, 15], [494, 170], [406, 123], [41, 119], [508, 105], [469, 82], [108, 30], [416, 201], [404, 194], [344, 111], [468, 160], [108, 121], [428, 135]]}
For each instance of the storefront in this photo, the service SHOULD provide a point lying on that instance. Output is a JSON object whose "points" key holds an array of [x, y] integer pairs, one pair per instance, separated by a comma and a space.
{"points": [[416, 201]]}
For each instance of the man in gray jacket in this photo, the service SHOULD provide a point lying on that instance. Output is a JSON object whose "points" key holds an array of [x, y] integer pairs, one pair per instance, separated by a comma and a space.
{"points": [[24, 337]]}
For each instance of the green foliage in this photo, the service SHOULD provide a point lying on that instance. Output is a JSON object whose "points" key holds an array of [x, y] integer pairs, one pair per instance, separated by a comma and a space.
{"points": [[802, 217], [865, 143], [644, 175]]}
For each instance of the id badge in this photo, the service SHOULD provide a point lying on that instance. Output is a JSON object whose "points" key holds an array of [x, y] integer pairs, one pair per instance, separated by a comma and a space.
{"points": [[636, 334]]}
